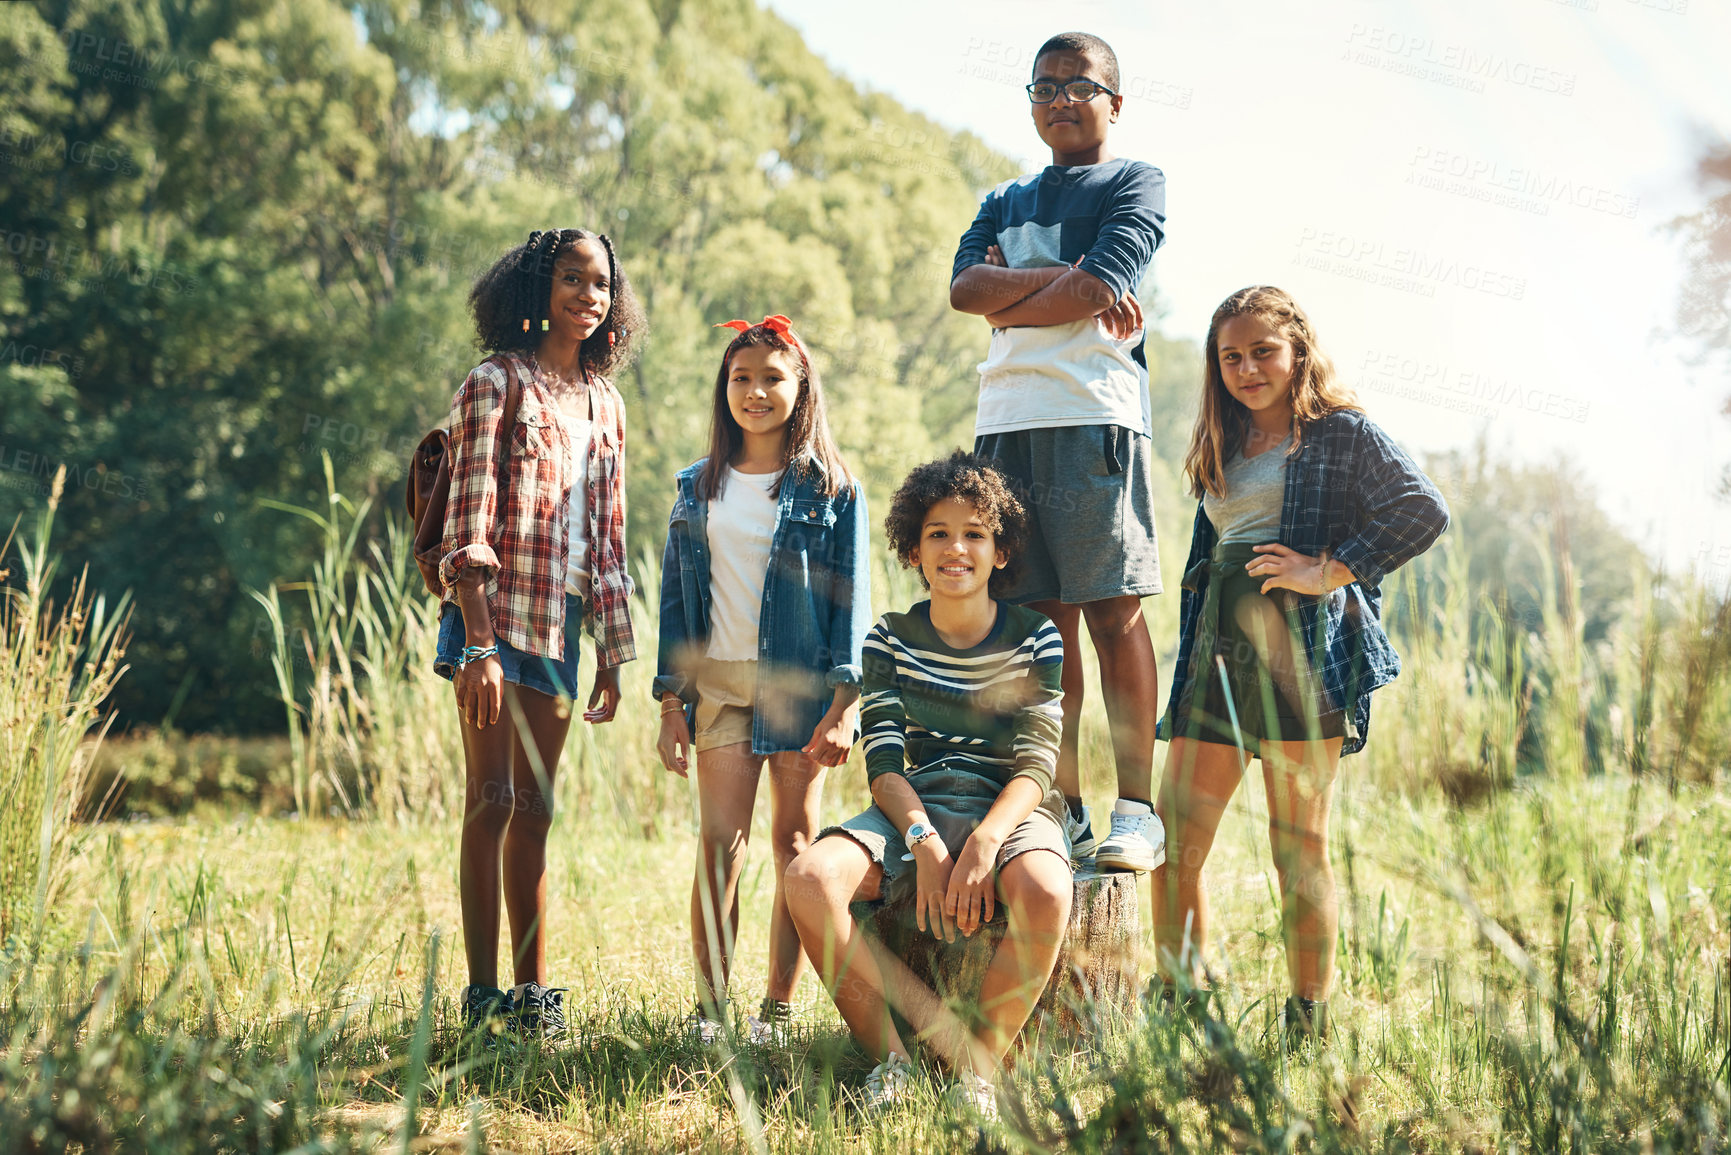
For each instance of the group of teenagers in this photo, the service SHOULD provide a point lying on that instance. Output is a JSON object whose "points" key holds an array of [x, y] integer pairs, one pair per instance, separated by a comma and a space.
{"points": [[967, 703]]}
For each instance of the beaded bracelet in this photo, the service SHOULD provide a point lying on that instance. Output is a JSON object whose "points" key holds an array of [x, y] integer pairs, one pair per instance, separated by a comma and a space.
{"points": [[476, 653]]}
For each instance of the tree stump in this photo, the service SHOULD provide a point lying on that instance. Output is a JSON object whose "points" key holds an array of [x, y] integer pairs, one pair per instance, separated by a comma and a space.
{"points": [[1097, 962]]}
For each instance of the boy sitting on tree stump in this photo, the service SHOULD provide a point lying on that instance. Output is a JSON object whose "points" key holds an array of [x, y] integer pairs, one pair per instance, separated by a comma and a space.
{"points": [[961, 717]]}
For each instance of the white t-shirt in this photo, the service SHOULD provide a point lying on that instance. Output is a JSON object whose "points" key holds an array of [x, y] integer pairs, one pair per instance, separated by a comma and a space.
{"points": [[1046, 376], [581, 432], [741, 529]]}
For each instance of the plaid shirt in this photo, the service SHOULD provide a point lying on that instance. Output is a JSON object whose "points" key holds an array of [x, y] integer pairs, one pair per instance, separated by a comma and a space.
{"points": [[1352, 491], [526, 591]]}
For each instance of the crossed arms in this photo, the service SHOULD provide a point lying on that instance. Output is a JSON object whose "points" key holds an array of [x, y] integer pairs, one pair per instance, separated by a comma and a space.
{"points": [[1051, 295]]}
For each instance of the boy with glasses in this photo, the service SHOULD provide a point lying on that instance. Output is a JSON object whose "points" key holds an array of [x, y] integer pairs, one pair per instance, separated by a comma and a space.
{"points": [[1052, 262]]}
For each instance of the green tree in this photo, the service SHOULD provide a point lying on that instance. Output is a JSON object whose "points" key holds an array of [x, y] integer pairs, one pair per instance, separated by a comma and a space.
{"points": [[244, 230]]}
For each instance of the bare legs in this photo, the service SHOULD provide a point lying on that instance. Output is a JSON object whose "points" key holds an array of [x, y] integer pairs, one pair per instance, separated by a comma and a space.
{"points": [[507, 811], [1199, 782], [1129, 681], [1299, 776], [727, 779], [1035, 888]]}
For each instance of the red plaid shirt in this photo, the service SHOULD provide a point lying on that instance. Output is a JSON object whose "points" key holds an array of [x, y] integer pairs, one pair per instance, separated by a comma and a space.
{"points": [[529, 530]]}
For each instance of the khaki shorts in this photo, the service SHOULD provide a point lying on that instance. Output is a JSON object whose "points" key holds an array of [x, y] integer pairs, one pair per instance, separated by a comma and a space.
{"points": [[725, 693]]}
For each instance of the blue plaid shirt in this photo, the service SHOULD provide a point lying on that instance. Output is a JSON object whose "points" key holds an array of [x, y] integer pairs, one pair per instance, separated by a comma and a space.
{"points": [[1352, 491]]}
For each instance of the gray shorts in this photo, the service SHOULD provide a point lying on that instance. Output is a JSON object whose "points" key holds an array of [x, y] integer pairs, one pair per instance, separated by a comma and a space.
{"points": [[1091, 511], [880, 839]]}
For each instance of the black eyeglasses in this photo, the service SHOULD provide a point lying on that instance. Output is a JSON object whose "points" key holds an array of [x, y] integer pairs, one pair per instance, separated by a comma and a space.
{"points": [[1079, 91]]}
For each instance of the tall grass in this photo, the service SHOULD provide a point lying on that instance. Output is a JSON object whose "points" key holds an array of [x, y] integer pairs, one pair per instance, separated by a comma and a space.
{"points": [[353, 670], [1528, 961], [373, 731], [57, 667]]}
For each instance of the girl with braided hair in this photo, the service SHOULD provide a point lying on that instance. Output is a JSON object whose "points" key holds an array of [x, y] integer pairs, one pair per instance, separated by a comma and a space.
{"points": [[533, 551]]}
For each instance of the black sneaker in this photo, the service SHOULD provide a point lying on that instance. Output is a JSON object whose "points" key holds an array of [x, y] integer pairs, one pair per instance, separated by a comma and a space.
{"points": [[486, 1009], [1195, 1004], [1304, 1020], [540, 1010]]}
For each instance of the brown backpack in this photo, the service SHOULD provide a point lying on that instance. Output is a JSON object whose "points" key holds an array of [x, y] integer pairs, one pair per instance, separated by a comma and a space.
{"points": [[428, 492]]}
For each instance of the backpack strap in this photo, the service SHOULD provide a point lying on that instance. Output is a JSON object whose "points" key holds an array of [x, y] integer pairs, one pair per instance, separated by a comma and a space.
{"points": [[513, 395]]}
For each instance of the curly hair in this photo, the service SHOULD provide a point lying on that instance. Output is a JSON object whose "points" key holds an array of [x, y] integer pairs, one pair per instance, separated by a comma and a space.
{"points": [[966, 477], [519, 288]]}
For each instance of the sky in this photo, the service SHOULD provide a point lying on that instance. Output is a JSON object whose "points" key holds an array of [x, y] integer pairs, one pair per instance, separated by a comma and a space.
{"points": [[1472, 199]]}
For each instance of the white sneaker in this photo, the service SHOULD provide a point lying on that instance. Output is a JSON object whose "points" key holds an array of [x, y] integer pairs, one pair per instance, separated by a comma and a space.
{"points": [[766, 1032], [703, 1031], [974, 1094], [1081, 834], [1137, 841], [890, 1082]]}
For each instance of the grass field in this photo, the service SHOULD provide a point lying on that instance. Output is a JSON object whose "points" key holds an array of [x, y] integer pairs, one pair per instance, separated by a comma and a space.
{"points": [[1545, 971], [1534, 955]]}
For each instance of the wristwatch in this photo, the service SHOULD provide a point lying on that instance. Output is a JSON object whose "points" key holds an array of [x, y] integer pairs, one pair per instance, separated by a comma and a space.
{"points": [[917, 833]]}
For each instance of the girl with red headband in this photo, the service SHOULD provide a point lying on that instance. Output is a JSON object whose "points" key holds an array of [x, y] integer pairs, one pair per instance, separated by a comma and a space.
{"points": [[765, 604]]}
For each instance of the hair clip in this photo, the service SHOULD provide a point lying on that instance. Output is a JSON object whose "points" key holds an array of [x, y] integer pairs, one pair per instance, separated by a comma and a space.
{"points": [[525, 324], [544, 324]]}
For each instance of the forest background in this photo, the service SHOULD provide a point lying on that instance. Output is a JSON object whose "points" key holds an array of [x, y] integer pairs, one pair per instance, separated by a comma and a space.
{"points": [[238, 236]]}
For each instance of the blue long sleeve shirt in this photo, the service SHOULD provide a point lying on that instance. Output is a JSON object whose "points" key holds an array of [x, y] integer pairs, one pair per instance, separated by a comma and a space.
{"points": [[1113, 217]]}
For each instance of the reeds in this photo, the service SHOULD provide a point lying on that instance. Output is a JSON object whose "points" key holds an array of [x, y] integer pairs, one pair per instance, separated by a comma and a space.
{"points": [[57, 667], [370, 730]]}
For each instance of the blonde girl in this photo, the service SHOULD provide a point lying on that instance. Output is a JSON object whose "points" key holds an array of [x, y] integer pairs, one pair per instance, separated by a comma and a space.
{"points": [[1305, 506]]}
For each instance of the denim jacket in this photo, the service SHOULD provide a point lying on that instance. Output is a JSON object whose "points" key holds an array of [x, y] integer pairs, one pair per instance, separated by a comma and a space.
{"points": [[816, 606], [1352, 491]]}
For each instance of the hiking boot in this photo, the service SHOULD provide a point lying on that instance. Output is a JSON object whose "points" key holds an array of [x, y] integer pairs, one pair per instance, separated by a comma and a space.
{"points": [[703, 1030], [1304, 1020], [974, 1094], [1194, 1005], [769, 1027]]}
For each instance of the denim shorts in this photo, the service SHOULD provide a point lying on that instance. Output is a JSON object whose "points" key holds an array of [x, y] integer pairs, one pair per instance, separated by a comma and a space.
{"points": [[556, 678], [938, 787]]}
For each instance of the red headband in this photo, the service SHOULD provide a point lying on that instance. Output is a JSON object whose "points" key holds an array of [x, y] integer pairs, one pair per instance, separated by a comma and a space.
{"points": [[775, 323]]}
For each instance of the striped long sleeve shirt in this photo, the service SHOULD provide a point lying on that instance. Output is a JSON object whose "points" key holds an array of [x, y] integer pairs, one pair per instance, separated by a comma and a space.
{"points": [[993, 709]]}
